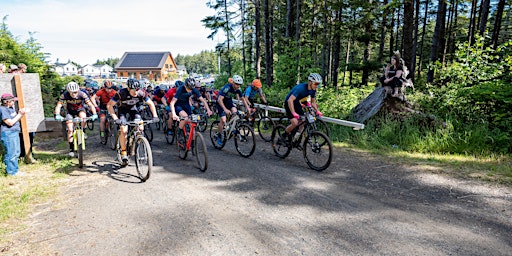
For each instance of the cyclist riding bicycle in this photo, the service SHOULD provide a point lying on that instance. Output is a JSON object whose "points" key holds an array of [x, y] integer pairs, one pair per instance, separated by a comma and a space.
{"points": [[181, 101], [250, 95], [292, 103], [103, 95], [166, 100], [74, 99], [225, 102], [129, 100]]}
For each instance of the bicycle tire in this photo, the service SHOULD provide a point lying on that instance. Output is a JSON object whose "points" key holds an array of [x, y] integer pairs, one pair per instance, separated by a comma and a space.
{"points": [[281, 148], [214, 129], [143, 158], [118, 148], [200, 152], [90, 124], [322, 126], [181, 143], [265, 128], [317, 145], [203, 123], [113, 135], [171, 138], [245, 142], [79, 149], [148, 133]]}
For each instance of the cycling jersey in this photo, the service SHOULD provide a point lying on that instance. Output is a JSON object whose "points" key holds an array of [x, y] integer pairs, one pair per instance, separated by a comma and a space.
{"points": [[129, 102], [300, 91], [105, 97], [228, 91], [74, 105], [157, 96], [170, 94], [251, 92], [182, 95]]}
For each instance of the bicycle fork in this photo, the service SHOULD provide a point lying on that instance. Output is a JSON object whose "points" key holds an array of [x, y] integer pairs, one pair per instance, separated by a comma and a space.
{"points": [[78, 134]]}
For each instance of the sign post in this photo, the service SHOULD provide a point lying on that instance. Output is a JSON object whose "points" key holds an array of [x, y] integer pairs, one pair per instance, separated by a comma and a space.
{"points": [[23, 120]]}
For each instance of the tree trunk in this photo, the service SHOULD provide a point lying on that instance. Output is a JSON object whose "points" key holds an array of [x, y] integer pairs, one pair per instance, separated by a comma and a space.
{"points": [[227, 34], [485, 15], [336, 49], [268, 43], [415, 40], [420, 64], [392, 34], [408, 31], [257, 46], [437, 41], [449, 31], [472, 22], [367, 50], [497, 24], [242, 20], [383, 30], [297, 37]]}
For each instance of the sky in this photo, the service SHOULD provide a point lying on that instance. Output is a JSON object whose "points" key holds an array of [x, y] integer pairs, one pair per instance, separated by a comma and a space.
{"points": [[84, 31]]}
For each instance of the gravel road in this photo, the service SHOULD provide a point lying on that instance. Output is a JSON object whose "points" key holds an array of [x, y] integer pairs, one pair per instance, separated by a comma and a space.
{"points": [[362, 205]]}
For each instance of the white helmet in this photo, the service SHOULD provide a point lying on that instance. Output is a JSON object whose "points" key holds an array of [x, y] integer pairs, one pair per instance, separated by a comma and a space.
{"points": [[315, 78], [72, 87], [238, 79]]}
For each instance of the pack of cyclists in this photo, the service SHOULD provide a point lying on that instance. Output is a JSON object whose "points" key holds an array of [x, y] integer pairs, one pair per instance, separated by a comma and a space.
{"points": [[179, 100]]}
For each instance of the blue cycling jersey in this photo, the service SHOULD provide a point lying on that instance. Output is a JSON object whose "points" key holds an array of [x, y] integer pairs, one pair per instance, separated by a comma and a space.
{"points": [[301, 91], [182, 95], [251, 92]]}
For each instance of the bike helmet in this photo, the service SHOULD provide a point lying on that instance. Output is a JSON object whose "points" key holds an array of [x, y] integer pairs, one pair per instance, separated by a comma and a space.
{"points": [[163, 87], [256, 83], [238, 79], [157, 88], [179, 83], [72, 87], [107, 83], [190, 83], [315, 78], [133, 83]]}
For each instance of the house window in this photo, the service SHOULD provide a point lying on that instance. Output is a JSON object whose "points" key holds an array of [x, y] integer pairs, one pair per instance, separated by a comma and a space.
{"points": [[67, 69]]}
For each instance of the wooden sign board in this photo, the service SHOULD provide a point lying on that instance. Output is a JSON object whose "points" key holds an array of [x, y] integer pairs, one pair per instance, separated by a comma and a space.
{"points": [[33, 99]]}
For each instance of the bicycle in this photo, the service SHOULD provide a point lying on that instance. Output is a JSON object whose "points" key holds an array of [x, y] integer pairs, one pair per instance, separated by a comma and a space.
{"points": [[188, 139], [171, 137], [203, 122], [245, 142], [317, 143], [264, 123], [320, 125], [145, 113], [79, 138], [137, 145]]}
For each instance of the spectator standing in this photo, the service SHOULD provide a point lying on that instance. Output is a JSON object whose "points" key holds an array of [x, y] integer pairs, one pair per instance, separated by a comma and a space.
{"points": [[2, 68], [11, 127]]}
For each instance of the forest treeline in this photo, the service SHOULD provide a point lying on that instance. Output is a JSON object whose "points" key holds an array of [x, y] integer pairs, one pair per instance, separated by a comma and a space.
{"points": [[459, 53]]}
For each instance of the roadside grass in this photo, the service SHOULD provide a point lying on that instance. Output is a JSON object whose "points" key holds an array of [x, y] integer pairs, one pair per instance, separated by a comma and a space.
{"points": [[19, 194], [494, 169]]}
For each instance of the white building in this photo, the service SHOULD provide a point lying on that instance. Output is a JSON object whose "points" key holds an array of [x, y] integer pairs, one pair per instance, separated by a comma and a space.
{"points": [[68, 69], [102, 71]]}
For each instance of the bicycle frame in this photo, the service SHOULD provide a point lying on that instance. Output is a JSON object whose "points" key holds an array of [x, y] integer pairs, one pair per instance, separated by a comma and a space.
{"points": [[191, 121], [78, 131], [232, 123]]}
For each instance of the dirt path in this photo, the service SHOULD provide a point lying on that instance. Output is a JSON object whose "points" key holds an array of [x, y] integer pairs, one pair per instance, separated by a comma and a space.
{"points": [[361, 205]]}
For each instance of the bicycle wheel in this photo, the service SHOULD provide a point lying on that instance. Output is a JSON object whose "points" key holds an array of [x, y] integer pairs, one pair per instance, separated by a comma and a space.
{"points": [[281, 147], [113, 135], [181, 142], [214, 133], [245, 142], [143, 158], [203, 123], [200, 151], [118, 148], [322, 126], [80, 151], [148, 133], [90, 124], [265, 128], [171, 137], [317, 151]]}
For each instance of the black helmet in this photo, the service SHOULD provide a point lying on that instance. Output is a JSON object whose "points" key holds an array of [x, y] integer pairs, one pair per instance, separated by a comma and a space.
{"points": [[190, 83], [133, 83]]}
